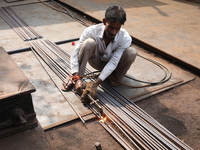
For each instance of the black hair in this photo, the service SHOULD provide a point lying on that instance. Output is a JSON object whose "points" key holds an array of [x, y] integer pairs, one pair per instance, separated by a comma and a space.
{"points": [[115, 13]]}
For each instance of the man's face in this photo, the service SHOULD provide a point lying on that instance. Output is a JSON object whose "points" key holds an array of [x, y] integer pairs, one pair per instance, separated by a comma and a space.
{"points": [[111, 28]]}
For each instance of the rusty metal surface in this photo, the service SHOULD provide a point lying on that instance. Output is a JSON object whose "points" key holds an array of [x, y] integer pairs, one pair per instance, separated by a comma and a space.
{"points": [[50, 106], [12, 80], [49, 23], [170, 26]]}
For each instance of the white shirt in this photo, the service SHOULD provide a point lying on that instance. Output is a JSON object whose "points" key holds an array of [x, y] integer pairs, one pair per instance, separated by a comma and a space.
{"points": [[112, 53]]}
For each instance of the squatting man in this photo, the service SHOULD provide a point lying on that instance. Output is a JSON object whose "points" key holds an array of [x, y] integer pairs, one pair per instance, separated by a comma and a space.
{"points": [[106, 47]]}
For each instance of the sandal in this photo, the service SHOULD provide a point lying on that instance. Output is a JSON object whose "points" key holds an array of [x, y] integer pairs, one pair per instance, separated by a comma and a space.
{"points": [[67, 84]]}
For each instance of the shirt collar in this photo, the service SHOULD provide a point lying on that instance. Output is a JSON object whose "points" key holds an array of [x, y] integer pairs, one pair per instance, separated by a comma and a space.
{"points": [[102, 32]]}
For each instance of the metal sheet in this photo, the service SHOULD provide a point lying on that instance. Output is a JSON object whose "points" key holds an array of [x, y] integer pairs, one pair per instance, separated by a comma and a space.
{"points": [[13, 82], [50, 106], [49, 23]]}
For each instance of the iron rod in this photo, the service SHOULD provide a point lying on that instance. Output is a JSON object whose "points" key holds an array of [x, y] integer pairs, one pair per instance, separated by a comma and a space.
{"points": [[139, 128]]}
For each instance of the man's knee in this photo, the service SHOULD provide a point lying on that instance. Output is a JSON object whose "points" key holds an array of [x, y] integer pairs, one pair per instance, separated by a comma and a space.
{"points": [[89, 43], [130, 54]]}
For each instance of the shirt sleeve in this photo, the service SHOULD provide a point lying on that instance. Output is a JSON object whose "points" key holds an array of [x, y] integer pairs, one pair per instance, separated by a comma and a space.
{"points": [[113, 62], [74, 57]]}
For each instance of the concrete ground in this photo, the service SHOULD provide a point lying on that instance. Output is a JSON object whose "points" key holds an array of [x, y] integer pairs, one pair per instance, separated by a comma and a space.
{"points": [[177, 109]]}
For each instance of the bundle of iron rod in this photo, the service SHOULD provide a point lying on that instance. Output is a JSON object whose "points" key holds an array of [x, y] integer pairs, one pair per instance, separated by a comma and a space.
{"points": [[132, 127], [25, 32]]}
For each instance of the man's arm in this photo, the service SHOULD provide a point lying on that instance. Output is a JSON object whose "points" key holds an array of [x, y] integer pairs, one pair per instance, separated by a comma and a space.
{"points": [[74, 64], [98, 81]]}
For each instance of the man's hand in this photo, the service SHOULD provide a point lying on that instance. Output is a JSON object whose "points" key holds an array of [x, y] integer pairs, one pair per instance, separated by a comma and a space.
{"points": [[91, 89]]}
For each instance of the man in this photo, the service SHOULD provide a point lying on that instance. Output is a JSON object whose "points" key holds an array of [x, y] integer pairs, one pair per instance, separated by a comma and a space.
{"points": [[106, 47]]}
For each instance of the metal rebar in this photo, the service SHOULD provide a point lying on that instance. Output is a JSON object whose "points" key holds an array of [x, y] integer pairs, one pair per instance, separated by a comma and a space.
{"points": [[17, 24], [139, 128], [83, 121]]}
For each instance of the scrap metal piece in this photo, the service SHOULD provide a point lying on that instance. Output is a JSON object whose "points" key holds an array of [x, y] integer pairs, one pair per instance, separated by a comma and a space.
{"points": [[98, 146]]}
